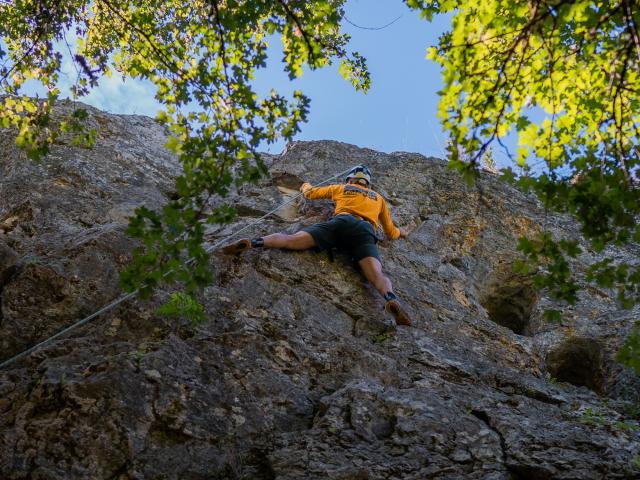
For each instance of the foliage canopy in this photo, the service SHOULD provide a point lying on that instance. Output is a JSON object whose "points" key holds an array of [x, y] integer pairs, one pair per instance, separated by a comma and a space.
{"points": [[201, 56], [564, 75]]}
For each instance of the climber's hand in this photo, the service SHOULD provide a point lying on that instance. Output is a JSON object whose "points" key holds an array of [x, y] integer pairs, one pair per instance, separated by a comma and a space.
{"points": [[305, 187], [404, 232]]}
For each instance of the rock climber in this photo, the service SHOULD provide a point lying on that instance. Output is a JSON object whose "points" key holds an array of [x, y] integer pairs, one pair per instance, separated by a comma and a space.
{"points": [[357, 213]]}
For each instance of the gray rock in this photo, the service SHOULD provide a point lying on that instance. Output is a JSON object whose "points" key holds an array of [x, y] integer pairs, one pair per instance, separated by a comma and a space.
{"points": [[297, 373], [8, 263]]}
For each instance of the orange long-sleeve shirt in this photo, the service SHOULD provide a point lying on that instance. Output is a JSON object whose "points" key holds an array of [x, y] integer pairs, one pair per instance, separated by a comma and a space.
{"points": [[357, 200]]}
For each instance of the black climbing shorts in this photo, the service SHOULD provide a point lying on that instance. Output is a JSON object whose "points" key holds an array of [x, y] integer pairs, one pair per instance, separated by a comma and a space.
{"points": [[346, 232]]}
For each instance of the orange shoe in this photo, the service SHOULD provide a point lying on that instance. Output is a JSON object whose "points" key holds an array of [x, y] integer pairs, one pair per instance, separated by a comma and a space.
{"points": [[397, 312], [238, 247]]}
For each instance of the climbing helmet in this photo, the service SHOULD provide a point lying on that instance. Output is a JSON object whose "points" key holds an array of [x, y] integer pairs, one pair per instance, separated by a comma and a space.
{"points": [[359, 172]]}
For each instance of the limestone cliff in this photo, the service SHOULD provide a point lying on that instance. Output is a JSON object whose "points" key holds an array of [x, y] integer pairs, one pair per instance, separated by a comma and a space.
{"points": [[293, 376]]}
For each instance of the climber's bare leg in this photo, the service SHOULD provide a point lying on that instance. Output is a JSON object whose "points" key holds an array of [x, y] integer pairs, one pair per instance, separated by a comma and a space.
{"points": [[372, 269], [297, 241]]}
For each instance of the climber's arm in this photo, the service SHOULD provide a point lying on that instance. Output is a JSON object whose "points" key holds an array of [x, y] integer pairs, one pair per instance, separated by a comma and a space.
{"points": [[390, 230], [312, 192]]}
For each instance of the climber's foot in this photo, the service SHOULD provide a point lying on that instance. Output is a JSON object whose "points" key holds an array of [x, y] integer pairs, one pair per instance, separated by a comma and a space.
{"points": [[238, 247], [397, 312]]}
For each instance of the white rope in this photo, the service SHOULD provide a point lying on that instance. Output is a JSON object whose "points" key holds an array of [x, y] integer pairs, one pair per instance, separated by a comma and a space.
{"points": [[129, 295]]}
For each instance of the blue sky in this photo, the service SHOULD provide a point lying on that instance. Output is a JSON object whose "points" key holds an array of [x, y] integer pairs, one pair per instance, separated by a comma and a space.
{"points": [[397, 114], [399, 111]]}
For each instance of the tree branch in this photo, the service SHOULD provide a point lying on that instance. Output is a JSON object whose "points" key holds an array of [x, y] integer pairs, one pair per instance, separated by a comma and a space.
{"points": [[302, 31]]}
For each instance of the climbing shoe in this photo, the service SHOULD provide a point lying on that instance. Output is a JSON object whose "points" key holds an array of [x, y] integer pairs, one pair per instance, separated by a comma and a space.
{"points": [[397, 312], [238, 247]]}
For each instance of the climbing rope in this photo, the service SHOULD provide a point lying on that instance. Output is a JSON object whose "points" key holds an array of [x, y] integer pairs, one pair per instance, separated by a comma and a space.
{"points": [[129, 295], [373, 28]]}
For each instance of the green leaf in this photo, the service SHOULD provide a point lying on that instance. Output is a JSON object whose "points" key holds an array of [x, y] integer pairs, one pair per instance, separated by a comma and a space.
{"points": [[553, 316], [629, 354], [185, 306]]}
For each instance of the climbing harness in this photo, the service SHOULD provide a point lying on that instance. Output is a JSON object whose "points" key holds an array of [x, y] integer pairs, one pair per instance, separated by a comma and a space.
{"points": [[129, 295]]}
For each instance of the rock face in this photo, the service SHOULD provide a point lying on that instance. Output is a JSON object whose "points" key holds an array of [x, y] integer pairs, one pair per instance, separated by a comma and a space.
{"points": [[296, 375]]}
